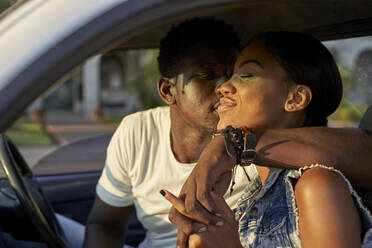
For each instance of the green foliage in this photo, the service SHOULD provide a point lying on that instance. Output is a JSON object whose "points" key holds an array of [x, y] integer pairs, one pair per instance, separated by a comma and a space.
{"points": [[111, 119], [351, 108], [147, 75], [28, 133], [4, 4], [349, 112]]}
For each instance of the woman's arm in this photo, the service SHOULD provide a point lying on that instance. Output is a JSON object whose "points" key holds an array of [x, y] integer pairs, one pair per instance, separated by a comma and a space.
{"points": [[327, 214]]}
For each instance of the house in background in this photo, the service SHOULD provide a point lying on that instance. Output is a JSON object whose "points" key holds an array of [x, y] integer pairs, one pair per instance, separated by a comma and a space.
{"points": [[109, 84], [104, 88]]}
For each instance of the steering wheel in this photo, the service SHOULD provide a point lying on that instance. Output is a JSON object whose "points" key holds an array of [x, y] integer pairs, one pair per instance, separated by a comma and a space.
{"points": [[30, 194]]}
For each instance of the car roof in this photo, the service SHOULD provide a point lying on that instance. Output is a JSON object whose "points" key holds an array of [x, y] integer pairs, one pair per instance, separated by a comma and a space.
{"points": [[42, 40], [326, 20]]}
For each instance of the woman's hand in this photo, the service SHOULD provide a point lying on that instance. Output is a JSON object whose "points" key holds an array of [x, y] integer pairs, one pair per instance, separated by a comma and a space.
{"points": [[224, 234]]}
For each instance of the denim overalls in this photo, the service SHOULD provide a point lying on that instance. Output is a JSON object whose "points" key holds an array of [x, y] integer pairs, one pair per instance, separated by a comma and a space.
{"points": [[268, 215]]}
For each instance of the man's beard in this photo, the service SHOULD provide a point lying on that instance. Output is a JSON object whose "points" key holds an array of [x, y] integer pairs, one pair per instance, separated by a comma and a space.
{"points": [[212, 117]]}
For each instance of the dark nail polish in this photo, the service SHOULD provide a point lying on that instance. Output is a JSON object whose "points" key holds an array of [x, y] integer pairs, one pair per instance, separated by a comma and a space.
{"points": [[162, 192]]}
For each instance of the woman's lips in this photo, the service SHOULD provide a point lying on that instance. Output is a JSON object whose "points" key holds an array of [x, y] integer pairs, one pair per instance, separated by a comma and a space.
{"points": [[225, 104]]}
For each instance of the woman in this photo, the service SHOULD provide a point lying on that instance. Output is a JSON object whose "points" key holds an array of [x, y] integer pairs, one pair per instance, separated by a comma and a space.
{"points": [[285, 80]]}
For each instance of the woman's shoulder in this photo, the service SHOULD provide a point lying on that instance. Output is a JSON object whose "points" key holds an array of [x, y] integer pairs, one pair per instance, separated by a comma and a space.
{"points": [[326, 208], [317, 179], [321, 186]]}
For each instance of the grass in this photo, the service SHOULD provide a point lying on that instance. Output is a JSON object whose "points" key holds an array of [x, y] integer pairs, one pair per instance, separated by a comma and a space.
{"points": [[28, 133], [110, 119]]}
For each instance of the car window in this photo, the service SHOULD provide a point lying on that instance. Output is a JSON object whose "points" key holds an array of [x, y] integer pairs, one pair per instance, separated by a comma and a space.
{"points": [[5, 4], [67, 129], [354, 58]]}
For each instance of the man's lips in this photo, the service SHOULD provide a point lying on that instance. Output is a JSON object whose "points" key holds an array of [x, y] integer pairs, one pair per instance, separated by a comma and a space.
{"points": [[225, 104]]}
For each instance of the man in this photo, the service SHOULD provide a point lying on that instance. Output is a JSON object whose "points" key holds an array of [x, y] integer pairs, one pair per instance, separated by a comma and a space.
{"points": [[158, 148]]}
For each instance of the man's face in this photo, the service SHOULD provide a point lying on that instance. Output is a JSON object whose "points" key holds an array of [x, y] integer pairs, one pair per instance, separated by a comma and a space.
{"points": [[204, 67]]}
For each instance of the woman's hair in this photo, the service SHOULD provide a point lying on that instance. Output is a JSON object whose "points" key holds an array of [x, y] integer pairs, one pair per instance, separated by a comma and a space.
{"points": [[307, 61]]}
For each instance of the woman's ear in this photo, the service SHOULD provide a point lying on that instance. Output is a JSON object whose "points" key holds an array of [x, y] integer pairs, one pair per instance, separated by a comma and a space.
{"points": [[298, 98], [166, 90]]}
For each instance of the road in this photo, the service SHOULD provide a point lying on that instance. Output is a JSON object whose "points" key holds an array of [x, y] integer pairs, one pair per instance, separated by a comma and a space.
{"points": [[68, 127]]}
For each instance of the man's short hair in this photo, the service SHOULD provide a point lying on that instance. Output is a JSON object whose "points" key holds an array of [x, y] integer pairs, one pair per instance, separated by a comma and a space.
{"points": [[188, 34]]}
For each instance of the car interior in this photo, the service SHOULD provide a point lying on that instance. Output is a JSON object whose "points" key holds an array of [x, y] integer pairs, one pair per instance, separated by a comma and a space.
{"points": [[63, 181]]}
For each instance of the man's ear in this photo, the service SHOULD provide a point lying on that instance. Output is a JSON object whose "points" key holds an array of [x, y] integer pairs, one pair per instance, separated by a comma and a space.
{"points": [[298, 98], [166, 90]]}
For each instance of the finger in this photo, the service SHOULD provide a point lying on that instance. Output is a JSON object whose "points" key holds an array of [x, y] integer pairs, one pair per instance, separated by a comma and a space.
{"points": [[199, 213], [195, 241], [222, 206], [185, 224], [196, 212], [174, 200], [182, 239]]}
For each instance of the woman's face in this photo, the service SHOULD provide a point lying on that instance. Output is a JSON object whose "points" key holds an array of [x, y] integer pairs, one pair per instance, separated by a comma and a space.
{"points": [[256, 94]]}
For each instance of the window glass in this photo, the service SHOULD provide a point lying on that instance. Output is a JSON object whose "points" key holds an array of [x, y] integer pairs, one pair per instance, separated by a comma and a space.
{"points": [[4, 4], [354, 58], [67, 129]]}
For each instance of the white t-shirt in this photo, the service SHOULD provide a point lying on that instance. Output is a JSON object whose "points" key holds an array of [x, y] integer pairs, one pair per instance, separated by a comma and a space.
{"points": [[139, 163]]}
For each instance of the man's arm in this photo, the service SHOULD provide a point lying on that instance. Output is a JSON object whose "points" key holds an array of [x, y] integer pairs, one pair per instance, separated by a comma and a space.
{"points": [[106, 225], [347, 149]]}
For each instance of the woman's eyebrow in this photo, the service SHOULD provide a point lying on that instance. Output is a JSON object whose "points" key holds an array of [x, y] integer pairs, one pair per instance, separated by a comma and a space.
{"points": [[250, 61]]}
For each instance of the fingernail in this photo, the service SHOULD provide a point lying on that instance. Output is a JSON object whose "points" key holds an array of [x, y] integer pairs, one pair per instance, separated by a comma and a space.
{"points": [[202, 229], [219, 223], [162, 192], [219, 215]]}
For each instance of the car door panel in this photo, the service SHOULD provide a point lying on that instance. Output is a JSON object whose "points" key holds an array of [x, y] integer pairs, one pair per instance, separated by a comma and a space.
{"points": [[71, 195]]}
